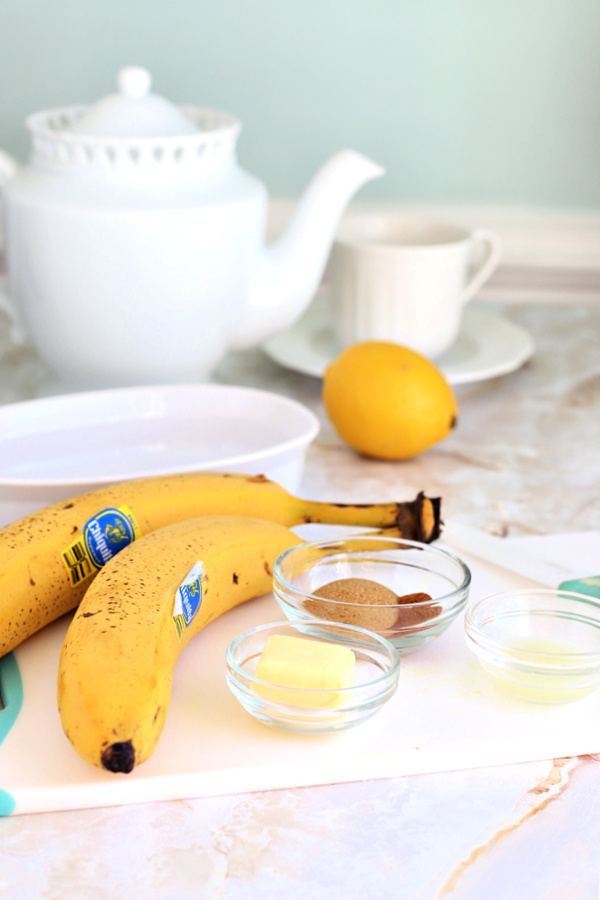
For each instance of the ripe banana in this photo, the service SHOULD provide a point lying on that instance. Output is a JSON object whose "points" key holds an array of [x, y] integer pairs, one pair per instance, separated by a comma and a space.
{"points": [[117, 661], [48, 558]]}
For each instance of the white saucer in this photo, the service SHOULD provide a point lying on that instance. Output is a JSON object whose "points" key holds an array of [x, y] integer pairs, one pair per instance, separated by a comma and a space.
{"points": [[488, 345]]}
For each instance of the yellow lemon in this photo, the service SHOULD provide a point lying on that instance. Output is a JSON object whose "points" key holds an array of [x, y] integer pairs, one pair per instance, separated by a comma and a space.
{"points": [[387, 401]]}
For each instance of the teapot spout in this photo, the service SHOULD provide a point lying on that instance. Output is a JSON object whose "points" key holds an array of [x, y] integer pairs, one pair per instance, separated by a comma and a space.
{"points": [[290, 270]]}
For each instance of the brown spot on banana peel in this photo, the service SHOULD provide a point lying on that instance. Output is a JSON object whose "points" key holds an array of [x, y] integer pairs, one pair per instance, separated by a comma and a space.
{"points": [[355, 505]]}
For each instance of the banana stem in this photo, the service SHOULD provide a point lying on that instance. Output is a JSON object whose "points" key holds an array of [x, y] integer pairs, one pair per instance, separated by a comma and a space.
{"points": [[416, 520]]}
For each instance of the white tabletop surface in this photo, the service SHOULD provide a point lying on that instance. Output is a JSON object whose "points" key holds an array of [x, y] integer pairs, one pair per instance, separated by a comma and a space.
{"points": [[524, 460]]}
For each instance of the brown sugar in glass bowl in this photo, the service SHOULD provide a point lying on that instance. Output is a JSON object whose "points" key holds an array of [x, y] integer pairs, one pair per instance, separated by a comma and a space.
{"points": [[405, 591], [370, 605]]}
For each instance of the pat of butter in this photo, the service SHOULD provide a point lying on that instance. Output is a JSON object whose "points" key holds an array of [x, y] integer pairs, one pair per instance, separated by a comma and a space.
{"points": [[306, 666]]}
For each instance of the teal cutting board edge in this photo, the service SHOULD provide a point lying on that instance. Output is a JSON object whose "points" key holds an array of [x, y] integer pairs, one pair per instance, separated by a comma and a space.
{"points": [[11, 691], [589, 586]]}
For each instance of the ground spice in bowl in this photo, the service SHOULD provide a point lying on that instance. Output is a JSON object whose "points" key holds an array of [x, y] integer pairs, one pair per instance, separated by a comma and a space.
{"points": [[369, 604], [415, 615]]}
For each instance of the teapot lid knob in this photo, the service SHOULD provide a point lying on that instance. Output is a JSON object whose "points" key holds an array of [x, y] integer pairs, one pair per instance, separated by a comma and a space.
{"points": [[134, 81]]}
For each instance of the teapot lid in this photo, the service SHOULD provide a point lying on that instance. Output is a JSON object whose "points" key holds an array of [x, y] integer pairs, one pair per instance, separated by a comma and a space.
{"points": [[134, 112], [133, 133]]}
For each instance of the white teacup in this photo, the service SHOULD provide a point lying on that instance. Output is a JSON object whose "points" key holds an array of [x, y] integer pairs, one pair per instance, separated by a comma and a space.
{"points": [[407, 280]]}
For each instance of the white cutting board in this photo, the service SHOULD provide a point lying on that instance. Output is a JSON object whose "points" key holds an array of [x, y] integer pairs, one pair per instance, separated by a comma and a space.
{"points": [[447, 714]]}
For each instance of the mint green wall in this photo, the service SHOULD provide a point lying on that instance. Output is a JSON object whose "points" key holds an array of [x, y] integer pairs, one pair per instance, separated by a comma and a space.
{"points": [[463, 101]]}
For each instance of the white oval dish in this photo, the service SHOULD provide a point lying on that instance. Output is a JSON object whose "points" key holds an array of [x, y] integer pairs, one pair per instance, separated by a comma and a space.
{"points": [[58, 447]]}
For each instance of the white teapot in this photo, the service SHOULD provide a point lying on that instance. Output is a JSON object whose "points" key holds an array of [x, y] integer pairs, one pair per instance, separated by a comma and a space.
{"points": [[134, 242]]}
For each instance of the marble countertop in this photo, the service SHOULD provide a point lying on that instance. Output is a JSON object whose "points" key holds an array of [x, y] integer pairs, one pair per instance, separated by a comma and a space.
{"points": [[524, 460]]}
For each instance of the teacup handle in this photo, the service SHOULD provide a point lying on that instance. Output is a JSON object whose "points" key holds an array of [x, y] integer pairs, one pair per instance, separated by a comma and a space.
{"points": [[493, 253]]}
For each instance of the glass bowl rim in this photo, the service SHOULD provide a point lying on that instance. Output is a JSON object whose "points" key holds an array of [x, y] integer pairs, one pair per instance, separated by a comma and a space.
{"points": [[279, 580], [374, 638], [475, 634]]}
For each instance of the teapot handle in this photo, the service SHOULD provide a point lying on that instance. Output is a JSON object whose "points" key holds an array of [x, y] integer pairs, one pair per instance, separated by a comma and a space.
{"points": [[15, 332], [8, 166]]}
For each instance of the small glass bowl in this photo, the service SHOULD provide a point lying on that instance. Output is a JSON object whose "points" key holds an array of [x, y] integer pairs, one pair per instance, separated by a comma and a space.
{"points": [[375, 679], [406, 567], [542, 646]]}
